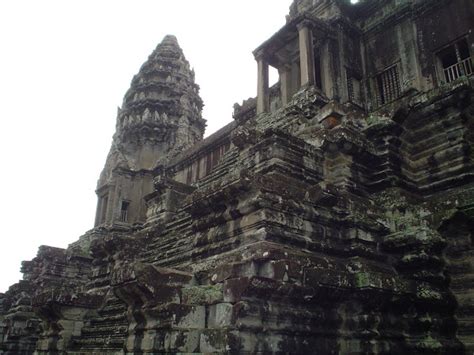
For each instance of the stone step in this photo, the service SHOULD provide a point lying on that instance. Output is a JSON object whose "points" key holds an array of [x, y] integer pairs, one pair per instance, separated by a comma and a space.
{"points": [[171, 239], [166, 257], [229, 159], [113, 319], [114, 330], [180, 222], [168, 244], [106, 330], [102, 343]]}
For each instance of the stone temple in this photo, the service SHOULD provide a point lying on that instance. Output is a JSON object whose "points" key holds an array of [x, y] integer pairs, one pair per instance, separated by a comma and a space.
{"points": [[333, 215]]}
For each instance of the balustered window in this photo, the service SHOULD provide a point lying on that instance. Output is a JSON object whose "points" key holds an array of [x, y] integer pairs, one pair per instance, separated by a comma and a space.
{"points": [[388, 85], [456, 61]]}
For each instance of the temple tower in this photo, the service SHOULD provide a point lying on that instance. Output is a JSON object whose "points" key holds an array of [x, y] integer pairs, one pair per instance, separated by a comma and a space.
{"points": [[160, 116]]}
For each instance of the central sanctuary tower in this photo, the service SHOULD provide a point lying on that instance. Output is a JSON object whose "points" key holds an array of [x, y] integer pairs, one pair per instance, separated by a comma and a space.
{"points": [[160, 117]]}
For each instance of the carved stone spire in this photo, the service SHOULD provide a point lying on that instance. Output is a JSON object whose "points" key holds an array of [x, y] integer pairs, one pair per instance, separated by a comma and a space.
{"points": [[162, 105], [160, 117]]}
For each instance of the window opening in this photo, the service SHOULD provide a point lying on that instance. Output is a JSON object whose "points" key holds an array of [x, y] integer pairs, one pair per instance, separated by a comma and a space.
{"points": [[350, 88], [273, 76], [456, 61], [388, 84], [317, 71], [353, 87], [124, 211]]}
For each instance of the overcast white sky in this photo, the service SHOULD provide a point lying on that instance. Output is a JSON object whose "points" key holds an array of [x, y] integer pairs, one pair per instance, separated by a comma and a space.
{"points": [[64, 68]]}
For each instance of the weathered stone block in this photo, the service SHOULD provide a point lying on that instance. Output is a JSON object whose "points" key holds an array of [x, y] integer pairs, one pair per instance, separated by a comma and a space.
{"points": [[221, 315], [194, 318], [183, 341], [219, 341], [202, 295]]}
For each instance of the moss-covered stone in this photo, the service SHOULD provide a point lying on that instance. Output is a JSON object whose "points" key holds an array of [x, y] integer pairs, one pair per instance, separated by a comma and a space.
{"points": [[202, 295]]}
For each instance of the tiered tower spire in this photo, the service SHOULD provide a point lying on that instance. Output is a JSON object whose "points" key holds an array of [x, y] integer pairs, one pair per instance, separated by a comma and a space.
{"points": [[160, 116]]}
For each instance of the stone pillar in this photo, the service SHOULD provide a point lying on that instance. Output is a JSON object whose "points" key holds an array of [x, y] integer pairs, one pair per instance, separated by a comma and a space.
{"points": [[285, 85], [263, 94], [306, 53], [327, 71], [103, 201], [110, 206], [98, 211]]}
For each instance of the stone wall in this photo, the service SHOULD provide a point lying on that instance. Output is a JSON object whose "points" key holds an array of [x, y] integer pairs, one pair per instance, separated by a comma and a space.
{"points": [[324, 225]]}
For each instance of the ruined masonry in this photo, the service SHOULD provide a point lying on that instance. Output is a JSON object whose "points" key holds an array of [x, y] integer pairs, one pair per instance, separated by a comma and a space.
{"points": [[333, 215]]}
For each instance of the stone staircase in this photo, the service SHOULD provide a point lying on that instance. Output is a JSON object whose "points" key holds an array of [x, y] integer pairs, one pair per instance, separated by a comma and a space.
{"points": [[437, 158], [105, 330], [459, 256], [228, 161], [168, 248], [173, 246]]}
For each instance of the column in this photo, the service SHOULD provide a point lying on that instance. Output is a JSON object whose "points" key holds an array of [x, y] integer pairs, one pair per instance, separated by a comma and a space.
{"points": [[326, 71], [306, 53], [285, 85], [98, 211], [263, 94]]}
